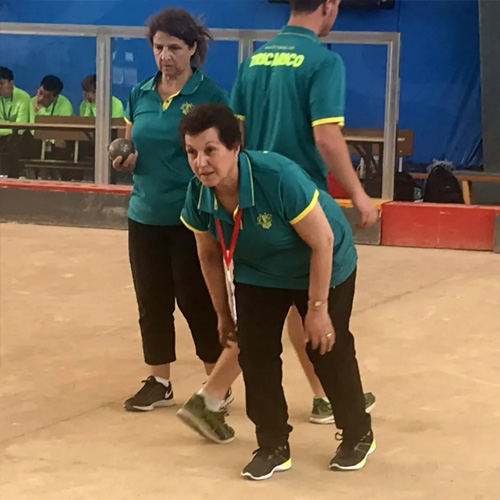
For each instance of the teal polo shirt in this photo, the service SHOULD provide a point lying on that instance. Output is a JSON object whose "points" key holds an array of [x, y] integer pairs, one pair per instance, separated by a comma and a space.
{"points": [[162, 173], [289, 86], [274, 194]]}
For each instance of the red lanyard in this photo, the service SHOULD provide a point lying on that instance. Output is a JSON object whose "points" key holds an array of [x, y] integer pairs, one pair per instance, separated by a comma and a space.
{"points": [[228, 254]]}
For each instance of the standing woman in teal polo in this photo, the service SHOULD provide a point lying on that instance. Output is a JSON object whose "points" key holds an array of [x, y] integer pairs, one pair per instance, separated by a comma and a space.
{"points": [[163, 258]]}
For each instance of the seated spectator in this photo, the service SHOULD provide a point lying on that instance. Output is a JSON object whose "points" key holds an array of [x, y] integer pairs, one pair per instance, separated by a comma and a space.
{"points": [[14, 102], [14, 108], [49, 101], [87, 106]]}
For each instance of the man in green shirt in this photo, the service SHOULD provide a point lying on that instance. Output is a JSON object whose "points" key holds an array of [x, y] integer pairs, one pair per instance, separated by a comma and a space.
{"points": [[14, 108], [14, 102], [87, 106], [49, 101], [291, 96]]}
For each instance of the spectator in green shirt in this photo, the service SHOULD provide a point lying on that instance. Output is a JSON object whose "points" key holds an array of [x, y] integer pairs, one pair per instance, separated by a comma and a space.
{"points": [[14, 102], [14, 108], [49, 101], [87, 106]]}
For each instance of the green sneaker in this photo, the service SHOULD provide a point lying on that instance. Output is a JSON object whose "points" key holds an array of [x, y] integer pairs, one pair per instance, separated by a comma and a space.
{"points": [[210, 424], [322, 412], [322, 409]]}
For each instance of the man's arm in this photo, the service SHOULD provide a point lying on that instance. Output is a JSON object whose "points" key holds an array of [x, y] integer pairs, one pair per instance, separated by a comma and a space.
{"points": [[333, 149]]}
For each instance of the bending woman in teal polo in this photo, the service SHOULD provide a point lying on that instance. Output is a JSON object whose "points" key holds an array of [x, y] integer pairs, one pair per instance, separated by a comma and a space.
{"points": [[162, 251], [293, 247]]}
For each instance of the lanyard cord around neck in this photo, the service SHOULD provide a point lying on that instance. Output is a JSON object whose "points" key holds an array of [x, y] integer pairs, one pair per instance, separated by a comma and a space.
{"points": [[6, 116], [227, 254], [54, 104]]}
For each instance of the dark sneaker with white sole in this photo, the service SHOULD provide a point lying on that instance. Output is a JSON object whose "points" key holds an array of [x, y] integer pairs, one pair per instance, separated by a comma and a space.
{"points": [[353, 455], [153, 395], [322, 412], [210, 424], [266, 462]]}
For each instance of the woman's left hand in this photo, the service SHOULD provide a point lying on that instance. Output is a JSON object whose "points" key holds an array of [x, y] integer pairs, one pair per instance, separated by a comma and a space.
{"points": [[227, 330], [319, 330]]}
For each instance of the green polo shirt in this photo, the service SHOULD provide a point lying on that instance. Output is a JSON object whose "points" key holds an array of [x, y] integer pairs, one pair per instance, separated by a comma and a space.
{"points": [[117, 111], [15, 109], [286, 88], [162, 173], [274, 194], [60, 107]]}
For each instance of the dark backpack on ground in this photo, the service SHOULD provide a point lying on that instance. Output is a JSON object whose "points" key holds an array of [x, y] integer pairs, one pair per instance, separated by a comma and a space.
{"points": [[404, 187], [442, 187]]}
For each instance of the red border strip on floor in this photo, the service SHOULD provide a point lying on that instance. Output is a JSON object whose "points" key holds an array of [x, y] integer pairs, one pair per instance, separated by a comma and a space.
{"points": [[431, 225], [79, 187]]}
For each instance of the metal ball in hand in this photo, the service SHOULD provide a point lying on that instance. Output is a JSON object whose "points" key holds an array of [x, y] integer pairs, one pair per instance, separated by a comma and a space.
{"points": [[121, 147]]}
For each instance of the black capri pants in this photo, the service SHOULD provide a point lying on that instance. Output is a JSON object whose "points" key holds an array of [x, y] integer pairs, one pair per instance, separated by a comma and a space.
{"points": [[165, 268]]}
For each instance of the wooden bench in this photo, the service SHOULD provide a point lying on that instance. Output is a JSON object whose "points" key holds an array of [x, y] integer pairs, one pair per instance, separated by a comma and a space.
{"points": [[466, 178], [359, 137], [79, 129], [369, 144]]}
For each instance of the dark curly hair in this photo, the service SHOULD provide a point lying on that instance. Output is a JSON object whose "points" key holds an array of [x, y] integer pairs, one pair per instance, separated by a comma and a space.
{"points": [[211, 115], [182, 25]]}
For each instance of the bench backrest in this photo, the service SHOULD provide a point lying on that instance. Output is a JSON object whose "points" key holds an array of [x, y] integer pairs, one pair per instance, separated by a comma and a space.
{"points": [[74, 135], [404, 143]]}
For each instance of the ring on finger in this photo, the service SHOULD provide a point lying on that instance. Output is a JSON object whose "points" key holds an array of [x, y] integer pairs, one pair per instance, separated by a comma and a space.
{"points": [[329, 334]]}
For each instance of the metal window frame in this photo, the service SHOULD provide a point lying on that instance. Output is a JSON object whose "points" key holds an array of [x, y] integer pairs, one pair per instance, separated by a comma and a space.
{"points": [[246, 40]]}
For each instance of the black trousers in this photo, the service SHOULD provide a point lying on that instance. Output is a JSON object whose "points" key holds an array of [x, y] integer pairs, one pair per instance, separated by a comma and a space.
{"points": [[261, 316], [12, 148], [165, 268]]}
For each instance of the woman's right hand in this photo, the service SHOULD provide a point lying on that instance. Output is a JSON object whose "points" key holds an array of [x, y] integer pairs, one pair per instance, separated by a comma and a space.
{"points": [[227, 330], [128, 165]]}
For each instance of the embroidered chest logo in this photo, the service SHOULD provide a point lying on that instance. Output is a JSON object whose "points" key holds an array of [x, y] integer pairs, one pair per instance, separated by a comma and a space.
{"points": [[187, 107], [265, 220]]}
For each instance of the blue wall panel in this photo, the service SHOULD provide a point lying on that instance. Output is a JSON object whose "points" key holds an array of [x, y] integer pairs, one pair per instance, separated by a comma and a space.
{"points": [[440, 82]]}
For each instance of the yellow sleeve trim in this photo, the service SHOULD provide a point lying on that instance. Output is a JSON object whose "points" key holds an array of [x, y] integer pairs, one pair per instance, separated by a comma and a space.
{"points": [[340, 120], [241, 118], [197, 231], [307, 209], [127, 121]]}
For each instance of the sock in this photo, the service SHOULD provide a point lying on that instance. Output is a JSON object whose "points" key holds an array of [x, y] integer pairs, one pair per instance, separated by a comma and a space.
{"points": [[323, 398], [211, 403], [163, 381]]}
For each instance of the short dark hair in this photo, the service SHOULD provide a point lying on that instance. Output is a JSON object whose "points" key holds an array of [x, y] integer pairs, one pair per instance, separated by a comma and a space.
{"points": [[305, 5], [89, 83], [52, 83], [6, 74], [212, 115], [182, 25]]}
